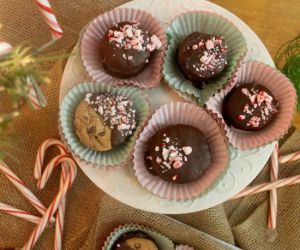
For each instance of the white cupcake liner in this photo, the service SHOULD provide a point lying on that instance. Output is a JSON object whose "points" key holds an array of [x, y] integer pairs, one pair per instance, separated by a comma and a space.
{"points": [[91, 38], [162, 241], [188, 114], [117, 156], [281, 88]]}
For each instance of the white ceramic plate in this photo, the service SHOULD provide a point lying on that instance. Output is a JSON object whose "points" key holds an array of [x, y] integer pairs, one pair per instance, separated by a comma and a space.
{"points": [[121, 183]]}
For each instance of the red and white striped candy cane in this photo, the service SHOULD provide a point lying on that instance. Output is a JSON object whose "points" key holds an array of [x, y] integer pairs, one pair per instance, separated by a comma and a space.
{"points": [[20, 185], [49, 17], [289, 157], [4, 208], [38, 175], [42, 152], [273, 193], [33, 96], [58, 199], [267, 186]]}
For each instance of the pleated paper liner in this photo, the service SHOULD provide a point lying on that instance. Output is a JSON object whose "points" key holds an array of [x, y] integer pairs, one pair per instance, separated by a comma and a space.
{"points": [[210, 23], [188, 114], [162, 241], [116, 156], [281, 88], [91, 38]]}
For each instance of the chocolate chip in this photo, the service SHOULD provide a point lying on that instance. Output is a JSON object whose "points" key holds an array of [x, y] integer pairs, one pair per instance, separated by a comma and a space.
{"points": [[137, 245], [91, 130], [102, 133]]}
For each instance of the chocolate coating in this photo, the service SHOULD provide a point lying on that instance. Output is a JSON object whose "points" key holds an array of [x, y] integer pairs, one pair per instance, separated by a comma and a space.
{"points": [[249, 107], [135, 241], [178, 153], [103, 121], [201, 57], [126, 49]]}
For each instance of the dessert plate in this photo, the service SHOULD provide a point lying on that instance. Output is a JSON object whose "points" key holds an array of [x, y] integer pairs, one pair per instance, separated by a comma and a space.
{"points": [[121, 183]]}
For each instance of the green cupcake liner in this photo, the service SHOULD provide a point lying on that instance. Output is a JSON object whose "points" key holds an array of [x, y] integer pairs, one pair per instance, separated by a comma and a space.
{"points": [[116, 156], [162, 241], [205, 22]]}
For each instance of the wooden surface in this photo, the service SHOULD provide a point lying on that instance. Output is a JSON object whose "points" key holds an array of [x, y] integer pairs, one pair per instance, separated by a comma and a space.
{"points": [[274, 21]]}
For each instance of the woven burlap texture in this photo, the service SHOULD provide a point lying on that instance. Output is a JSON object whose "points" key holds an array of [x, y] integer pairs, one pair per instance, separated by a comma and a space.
{"points": [[91, 215]]}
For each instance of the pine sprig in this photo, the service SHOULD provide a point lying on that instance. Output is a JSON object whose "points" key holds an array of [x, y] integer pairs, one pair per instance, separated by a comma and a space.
{"points": [[16, 67], [287, 60]]}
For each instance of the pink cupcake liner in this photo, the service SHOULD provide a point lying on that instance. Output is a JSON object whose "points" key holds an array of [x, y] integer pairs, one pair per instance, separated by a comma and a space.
{"points": [[281, 88], [90, 47], [189, 114]]}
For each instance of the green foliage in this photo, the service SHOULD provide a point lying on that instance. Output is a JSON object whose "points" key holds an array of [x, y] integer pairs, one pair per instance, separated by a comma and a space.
{"points": [[287, 60], [17, 68]]}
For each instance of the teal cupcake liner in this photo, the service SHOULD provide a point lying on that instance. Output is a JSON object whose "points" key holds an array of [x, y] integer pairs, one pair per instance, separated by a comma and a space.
{"points": [[205, 22], [116, 156], [162, 241]]}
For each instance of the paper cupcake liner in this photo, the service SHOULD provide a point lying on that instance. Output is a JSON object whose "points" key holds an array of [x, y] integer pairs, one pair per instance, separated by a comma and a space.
{"points": [[205, 22], [189, 114], [281, 88], [116, 156], [162, 241], [184, 247], [91, 38]]}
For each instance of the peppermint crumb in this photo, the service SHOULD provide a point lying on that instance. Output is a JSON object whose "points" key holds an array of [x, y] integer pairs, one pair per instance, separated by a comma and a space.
{"points": [[117, 111], [211, 57], [242, 117], [261, 101], [131, 36], [172, 155]]}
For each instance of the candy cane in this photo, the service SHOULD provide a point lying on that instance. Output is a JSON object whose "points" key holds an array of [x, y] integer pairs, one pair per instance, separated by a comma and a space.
{"points": [[289, 157], [49, 17], [4, 208], [41, 154], [267, 186], [35, 95], [273, 193], [58, 199], [38, 175], [14, 179]]}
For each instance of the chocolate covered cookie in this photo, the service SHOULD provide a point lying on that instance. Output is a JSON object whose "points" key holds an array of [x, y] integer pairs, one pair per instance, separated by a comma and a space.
{"points": [[126, 48], [104, 121], [202, 57], [249, 107], [178, 153], [135, 241]]}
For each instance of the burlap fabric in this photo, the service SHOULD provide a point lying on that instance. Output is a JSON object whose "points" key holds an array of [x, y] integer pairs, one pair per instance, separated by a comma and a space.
{"points": [[91, 214]]}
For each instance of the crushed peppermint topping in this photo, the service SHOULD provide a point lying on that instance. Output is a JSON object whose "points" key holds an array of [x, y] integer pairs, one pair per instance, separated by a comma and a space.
{"points": [[253, 122], [260, 101], [131, 36], [117, 111], [211, 55], [171, 155], [187, 150]]}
